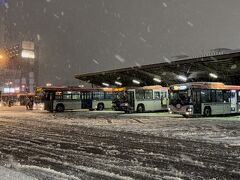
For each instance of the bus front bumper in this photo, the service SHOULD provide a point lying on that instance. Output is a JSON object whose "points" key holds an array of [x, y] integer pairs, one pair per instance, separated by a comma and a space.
{"points": [[184, 110], [116, 107], [125, 107]]}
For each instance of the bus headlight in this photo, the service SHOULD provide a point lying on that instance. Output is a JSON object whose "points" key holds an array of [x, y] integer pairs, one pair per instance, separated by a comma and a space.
{"points": [[124, 104], [189, 109]]}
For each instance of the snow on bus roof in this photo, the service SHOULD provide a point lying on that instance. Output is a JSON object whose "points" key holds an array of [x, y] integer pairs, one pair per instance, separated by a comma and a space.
{"points": [[208, 85], [80, 89], [156, 87]]}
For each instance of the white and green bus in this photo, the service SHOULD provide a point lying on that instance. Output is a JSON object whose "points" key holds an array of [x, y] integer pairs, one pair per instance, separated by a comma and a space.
{"points": [[102, 99], [204, 98], [145, 99]]}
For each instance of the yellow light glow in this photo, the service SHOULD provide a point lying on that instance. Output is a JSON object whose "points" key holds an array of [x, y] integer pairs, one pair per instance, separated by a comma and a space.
{"points": [[118, 89], [3, 59], [175, 88]]}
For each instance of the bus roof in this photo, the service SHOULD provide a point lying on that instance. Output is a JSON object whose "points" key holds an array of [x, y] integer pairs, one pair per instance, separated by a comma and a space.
{"points": [[157, 87], [204, 85], [77, 89]]}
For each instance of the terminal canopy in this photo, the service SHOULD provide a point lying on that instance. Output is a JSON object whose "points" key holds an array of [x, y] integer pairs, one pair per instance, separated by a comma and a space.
{"points": [[221, 67]]}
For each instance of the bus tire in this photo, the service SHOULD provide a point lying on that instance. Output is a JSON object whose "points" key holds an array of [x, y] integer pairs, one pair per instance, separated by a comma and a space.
{"points": [[207, 112], [140, 108], [100, 107], [60, 108]]}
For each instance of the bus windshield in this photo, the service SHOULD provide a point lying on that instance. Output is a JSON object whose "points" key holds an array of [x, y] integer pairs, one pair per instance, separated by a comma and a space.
{"points": [[119, 97], [179, 97]]}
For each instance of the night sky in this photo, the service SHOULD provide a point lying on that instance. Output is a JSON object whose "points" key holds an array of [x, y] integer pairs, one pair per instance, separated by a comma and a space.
{"points": [[79, 36]]}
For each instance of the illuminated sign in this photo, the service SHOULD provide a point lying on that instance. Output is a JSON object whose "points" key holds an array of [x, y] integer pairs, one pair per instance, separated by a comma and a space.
{"points": [[28, 54], [28, 45], [59, 93], [179, 88], [9, 90], [119, 89]]}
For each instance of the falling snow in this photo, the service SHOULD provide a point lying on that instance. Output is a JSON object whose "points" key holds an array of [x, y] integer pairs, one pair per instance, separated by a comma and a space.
{"points": [[166, 59], [120, 58], [142, 39], [38, 37], [95, 61], [6, 5], [164, 4], [190, 23]]}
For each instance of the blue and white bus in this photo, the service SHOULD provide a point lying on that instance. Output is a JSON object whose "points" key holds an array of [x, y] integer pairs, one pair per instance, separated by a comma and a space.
{"points": [[60, 99]]}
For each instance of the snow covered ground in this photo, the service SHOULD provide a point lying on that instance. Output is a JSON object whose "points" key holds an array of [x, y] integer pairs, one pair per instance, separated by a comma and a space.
{"points": [[7, 174], [112, 145]]}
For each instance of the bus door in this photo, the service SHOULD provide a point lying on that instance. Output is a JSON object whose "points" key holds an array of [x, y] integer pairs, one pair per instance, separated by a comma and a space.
{"points": [[164, 99], [48, 101], [131, 99], [234, 101], [86, 100], [196, 95]]}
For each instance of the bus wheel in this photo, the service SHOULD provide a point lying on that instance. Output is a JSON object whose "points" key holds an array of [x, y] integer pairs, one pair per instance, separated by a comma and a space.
{"points": [[140, 108], [207, 112], [60, 108], [100, 107]]}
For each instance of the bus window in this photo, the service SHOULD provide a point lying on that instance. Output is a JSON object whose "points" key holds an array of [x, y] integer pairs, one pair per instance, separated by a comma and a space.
{"points": [[67, 96], [238, 98], [157, 95], [205, 96], [140, 94], [226, 96], [164, 94], [76, 96], [219, 95], [148, 94], [88, 95], [58, 97], [97, 95], [213, 96], [108, 95]]}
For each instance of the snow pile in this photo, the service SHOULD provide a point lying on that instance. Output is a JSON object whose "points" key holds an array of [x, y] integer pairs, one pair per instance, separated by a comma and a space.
{"points": [[7, 174]]}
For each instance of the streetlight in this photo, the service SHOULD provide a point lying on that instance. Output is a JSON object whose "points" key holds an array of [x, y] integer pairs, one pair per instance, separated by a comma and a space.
{"points": [[105, 84], [118, 83], [1, 56], [136, 81], [212, 75], [157, 80], [182, 78]]}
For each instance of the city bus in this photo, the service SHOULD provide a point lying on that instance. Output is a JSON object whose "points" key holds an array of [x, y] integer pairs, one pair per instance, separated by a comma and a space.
{"points": [[102, 99], [143, 99], [204, 98], [118, 98], [60, 99]]}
